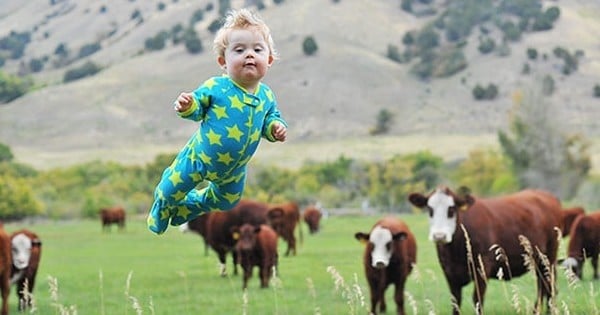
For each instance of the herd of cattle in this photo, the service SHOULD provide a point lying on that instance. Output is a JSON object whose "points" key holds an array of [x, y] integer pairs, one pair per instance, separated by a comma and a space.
{"points": [[476, 239]]}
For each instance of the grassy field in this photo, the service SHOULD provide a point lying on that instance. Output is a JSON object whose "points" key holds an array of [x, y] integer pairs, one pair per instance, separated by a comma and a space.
{"points": [[85, 271]]}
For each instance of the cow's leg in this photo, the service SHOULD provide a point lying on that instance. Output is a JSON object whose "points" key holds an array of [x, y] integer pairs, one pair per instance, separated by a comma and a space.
{"points": [[456, 291], [264, 275], [595, 265], [247, 275], [5, 290], [546, 286], [222, 260], [399, 296], [234, 254]]}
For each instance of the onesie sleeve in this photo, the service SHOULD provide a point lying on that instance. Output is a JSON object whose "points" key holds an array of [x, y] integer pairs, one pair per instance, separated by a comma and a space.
{"points": [[202, 99], [273, 115]]}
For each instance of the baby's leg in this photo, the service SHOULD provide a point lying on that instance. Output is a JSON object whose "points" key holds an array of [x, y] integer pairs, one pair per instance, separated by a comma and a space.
{"points": [[177, 180], [222, 194]]}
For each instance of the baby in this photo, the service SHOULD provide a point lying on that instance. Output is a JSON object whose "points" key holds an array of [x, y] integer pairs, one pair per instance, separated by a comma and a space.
{"points": [[234, 110]]}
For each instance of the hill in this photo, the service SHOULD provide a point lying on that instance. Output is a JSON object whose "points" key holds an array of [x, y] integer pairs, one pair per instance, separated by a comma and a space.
{"points": [[330, 99]]}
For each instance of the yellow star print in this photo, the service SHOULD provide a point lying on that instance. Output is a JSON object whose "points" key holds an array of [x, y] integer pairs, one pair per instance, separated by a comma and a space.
{"points": [[213, 137], [196, 177], [232, 197], [178, 195], [255, 136], [205, 158], [211, 175], [175, 178], [183, 212], [234, 132], [220, 112], [236, 103], [225, 158], [210, 83]]}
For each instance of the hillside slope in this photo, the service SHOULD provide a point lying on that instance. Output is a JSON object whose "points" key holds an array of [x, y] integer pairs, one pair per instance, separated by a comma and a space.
{"points": [[124, 111]]}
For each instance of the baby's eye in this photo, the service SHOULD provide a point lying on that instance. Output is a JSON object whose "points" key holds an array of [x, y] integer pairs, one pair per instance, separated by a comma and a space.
{"points": [[239, 50], [258, 49]]}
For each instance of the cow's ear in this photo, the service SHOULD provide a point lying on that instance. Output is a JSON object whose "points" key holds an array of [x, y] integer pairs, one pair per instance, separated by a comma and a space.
{"points": [[418, 200], [399, 236], [362, 237], [257, 229], [36, 242]]}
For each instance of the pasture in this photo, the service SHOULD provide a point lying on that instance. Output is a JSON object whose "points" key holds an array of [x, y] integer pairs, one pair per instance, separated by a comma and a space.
{"points": [[86, 271]]}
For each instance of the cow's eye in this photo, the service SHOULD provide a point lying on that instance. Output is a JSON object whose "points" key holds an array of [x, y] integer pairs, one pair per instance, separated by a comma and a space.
{"points": [[388, 246], [451, 211], [430, 211]]}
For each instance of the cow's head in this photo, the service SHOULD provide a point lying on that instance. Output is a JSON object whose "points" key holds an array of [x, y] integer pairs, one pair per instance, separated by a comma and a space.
{"points": [[21, 246], [380, 244], [246, 236], [575, 265], [443, 206]]}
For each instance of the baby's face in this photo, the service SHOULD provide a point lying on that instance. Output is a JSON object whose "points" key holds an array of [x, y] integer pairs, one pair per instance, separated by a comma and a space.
{"points": [[247, 57]]}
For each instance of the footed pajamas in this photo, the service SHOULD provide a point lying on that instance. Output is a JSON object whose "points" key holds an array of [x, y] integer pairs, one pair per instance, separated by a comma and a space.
{"points": [[232, 121]]}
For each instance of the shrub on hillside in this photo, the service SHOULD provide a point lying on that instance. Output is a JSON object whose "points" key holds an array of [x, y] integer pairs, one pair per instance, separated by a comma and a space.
{"points": [[87, 69], [309, 46]]}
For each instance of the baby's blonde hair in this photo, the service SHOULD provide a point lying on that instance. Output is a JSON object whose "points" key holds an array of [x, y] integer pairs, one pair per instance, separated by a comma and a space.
{"points": [[242, 19]]}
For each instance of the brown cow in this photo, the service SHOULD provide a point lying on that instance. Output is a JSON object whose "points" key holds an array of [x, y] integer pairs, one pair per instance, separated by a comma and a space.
{"points": [[568, 217], [26, 255], [284, 218], [113, 215], [5, 268], [389, 257], [219, 224], [312, 217], [584, 243], [256, 246], [198, 225], [495, 228]]}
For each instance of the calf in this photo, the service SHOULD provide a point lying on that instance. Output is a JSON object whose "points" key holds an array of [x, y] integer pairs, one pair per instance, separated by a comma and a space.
{"points": [[219, 224], [114, 215], [312, 217], [256, 246], [26, 253], [568, 217], [584, 243], [284, 218], [475, 238], [389, 257]]}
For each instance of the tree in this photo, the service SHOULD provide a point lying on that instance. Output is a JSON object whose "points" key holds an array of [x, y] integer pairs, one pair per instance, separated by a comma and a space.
{"points": [[5, 153], [542, 155]]}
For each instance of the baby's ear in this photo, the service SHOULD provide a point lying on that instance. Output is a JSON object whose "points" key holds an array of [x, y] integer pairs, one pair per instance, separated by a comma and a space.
{"points": [[221, 62]]}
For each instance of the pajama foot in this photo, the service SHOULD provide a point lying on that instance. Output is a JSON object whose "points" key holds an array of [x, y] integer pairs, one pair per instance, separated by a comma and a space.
{"points": [[158, 220]]}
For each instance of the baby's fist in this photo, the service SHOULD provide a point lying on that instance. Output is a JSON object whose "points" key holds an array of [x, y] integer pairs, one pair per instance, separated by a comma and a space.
{"points": [[279, 132]]}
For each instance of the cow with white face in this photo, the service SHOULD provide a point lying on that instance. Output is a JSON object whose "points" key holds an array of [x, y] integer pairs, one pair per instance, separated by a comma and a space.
{"points": [[390, 253], [464, 226], [26, 253]]}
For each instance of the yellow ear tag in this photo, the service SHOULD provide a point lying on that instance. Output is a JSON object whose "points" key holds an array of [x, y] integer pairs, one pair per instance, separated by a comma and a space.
{"points": [[463, 207], [363, 241], [236, 236]]}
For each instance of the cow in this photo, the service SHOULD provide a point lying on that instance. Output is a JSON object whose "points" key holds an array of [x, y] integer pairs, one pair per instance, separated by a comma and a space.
{"points": [[112, 215], [219, 224], [256, 246], [284, 218], [500, 237], [312, 217], [584, 243], [389, 256], [26, 254], [568, 217], [5, 268]]}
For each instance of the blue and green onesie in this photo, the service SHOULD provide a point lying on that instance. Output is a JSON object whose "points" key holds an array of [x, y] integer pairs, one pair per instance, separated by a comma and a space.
{"points": [[232, 122]]}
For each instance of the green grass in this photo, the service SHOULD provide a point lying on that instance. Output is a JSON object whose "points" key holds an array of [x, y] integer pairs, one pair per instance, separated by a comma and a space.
{"points": [[110, 273]]}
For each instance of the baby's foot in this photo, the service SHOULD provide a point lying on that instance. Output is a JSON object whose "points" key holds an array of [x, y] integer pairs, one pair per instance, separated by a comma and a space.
{"points": [[158, 220]]}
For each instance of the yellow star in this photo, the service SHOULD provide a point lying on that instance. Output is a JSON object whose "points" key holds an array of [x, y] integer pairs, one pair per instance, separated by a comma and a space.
{"points": [[245, 160], [255, 136], [211, 175], [178, 195], [234, 132], [225, 158], [205, 158], [260, 107], [269, 95], [175, 178], [210, 83], [196, 177], [220, 111], [236, 103], [213, 137], [183, 211], [150, 221], [164, 214], [232, 197]]}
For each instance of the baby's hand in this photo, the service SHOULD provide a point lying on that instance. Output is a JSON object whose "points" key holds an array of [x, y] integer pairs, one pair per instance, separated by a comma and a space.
{"points": [[183, 102], [279, 132]]}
